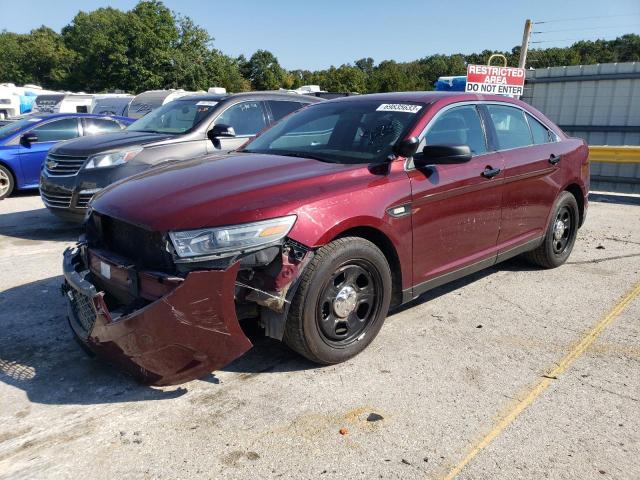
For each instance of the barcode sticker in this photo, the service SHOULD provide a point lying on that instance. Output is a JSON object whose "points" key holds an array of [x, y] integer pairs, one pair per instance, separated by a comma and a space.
{"points": [[399, 107]]}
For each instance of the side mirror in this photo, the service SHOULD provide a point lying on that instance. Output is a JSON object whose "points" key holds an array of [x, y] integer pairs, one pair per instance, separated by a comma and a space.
{"points": [[28, 138], [442, 155], [406, 147], [221, 131]]}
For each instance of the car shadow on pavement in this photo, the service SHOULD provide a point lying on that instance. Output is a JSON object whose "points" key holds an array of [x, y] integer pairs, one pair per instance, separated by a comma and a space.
{"points": [[38, 224], [39, 355], [516, 264]]}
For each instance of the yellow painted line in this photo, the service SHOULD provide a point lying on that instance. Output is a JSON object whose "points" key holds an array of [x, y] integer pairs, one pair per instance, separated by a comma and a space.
{"points": [[626, 154], [507, 417]]}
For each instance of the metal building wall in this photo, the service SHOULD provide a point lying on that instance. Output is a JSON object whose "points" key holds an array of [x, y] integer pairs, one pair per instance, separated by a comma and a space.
{"points": [[600, 103]]}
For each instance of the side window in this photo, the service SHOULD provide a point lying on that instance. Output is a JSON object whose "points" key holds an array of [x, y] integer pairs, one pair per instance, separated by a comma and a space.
{"points": [[540, 133], [58, 130], [458, 126], [511, 127], [94, 126], [281, 109], [246, 118]]}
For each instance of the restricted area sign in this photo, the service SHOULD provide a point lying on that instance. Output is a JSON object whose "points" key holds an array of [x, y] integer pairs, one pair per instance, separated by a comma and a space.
{"points": [[495, 80]]}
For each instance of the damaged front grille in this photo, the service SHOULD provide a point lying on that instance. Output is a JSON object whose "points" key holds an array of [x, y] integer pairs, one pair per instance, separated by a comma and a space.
{"points": [[84, 310], [144, 248]]}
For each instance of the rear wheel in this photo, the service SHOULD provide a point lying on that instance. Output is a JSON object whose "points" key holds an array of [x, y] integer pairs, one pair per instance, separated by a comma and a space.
{"points": [[561, 234], [341, 302], [7, 182]]}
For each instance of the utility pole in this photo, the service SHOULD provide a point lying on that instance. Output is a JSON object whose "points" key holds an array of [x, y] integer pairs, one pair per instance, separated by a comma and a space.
{"points": [[525, 43]]}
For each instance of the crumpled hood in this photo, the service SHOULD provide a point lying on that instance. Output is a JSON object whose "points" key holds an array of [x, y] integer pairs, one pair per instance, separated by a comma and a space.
{"points": [[92, 144], [222, 190]]}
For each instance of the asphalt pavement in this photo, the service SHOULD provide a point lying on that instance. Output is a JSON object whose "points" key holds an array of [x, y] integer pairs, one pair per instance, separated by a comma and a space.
{"points": [[514, 372]]}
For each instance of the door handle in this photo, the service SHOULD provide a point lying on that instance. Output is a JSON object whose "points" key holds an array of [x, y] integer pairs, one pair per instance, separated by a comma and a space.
{"points": [[554, 159], [490, 172]]}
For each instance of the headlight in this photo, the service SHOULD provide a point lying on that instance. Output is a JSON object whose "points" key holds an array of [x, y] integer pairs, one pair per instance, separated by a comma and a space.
{"points": [[112, 158], [228, 240]]}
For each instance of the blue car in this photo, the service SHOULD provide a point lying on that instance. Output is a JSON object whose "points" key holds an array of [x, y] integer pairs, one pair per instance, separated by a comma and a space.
{"points": [[24, 143]]}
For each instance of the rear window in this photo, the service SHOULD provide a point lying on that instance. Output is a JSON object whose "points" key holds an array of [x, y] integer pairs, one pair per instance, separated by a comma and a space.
{"points": [[511, 127], [281, 109], [94, 126], [540, 132]]}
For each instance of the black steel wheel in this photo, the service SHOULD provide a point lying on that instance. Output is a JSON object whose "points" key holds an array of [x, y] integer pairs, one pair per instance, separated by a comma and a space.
{"points": [[341, 302], [562, 229], [560, 235], [349, 302]]}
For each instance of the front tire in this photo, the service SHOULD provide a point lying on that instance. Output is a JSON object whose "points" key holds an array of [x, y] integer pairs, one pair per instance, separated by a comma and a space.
{"points": [[7, 182], [341, 302], [561, 234]]}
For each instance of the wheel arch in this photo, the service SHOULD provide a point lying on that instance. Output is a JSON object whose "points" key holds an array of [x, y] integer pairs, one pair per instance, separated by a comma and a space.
{"points": [[575, 190], [384, 243], [12, 171]]}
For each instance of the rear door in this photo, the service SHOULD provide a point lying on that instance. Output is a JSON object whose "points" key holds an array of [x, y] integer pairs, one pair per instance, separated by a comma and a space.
{"points": [[455, 208], [33, 155], [247, 119], [529, 151]]}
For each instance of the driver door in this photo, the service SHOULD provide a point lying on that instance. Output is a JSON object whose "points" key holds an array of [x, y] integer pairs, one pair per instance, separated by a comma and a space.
{"points": [[456, 208], [32, 155]]}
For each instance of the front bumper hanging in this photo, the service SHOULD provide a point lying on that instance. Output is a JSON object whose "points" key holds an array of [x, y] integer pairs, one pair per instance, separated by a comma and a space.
{"points": [[188, 330]]}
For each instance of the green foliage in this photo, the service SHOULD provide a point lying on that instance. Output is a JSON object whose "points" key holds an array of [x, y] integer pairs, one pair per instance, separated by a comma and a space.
{"points": [[150, 47], [263, 71]]}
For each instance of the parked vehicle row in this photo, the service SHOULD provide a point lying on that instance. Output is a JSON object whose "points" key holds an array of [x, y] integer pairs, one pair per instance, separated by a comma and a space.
{"points": [[187, 127], [314, 228], [25, 143]]}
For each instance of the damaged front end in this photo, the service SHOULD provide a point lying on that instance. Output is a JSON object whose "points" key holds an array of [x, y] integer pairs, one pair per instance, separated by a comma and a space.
{"points": [[165, 321]]}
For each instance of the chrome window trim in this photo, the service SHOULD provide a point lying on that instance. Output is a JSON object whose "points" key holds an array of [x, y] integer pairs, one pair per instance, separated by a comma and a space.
{"points": [[408, 162]]}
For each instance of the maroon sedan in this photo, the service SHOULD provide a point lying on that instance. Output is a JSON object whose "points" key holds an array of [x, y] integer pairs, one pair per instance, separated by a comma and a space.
{"points": [[317, 227]]}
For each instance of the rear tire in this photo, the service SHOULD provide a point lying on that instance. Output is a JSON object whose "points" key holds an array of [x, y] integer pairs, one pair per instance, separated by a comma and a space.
{"points": [[341, 302], [7, 182], [561, 234]]}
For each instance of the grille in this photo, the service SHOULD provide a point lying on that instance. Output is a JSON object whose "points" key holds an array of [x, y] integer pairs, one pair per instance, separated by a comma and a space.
{"points": [[83, 199], [144, 248], [83, 308], [63, 165], [56, 200]]}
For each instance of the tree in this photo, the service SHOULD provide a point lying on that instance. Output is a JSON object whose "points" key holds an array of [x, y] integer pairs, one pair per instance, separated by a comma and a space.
{"points": [[263, 71], [12, 59], [345, 78]]}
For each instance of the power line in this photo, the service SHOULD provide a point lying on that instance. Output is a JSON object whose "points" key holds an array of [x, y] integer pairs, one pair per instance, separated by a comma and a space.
{"points": [[569, 40], [587, 28], [582, 18]]}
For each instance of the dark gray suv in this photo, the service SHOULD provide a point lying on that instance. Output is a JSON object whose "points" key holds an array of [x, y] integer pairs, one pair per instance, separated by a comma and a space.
{"points": [[182, 129]]}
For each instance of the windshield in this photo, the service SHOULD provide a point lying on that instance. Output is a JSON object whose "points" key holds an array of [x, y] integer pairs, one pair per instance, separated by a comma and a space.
{"points": [[341, 132], [14, 127], [178, 116]]}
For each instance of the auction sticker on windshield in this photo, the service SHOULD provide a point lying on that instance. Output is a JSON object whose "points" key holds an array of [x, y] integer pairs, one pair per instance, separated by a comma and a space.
{"points": [[399, 107], [495, 80]]}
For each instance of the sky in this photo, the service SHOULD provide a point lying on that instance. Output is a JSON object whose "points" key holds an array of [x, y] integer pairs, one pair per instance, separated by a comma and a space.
{"points": [[316, 34]]}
